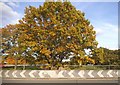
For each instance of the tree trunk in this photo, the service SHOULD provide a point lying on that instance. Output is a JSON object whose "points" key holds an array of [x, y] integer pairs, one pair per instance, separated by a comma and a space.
{"points": [[24, 66], [16, 62]]}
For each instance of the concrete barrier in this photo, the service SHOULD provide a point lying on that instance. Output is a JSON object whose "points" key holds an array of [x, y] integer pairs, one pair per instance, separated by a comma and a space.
{"points": [[60, 73]]}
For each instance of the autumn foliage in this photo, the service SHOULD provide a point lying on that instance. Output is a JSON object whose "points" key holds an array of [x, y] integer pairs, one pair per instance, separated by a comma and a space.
{"points": [[51, 33]]}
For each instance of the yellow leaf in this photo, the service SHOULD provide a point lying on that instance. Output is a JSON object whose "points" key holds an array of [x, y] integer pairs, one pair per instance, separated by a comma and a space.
{"points": [[52, 33], [45, 51]]}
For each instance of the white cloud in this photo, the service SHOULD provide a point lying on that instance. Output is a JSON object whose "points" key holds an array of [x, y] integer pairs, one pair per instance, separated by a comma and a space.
{"points": [[107, 35], [98, 31], [9, 16], [13, 4], [102, 28], [111, 27], [22, 0]]}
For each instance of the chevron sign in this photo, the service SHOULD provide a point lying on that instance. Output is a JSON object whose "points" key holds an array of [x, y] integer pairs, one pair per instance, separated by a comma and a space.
{"points": [[59, 73]]}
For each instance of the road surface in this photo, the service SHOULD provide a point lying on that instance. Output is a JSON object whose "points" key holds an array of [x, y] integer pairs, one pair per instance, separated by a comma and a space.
{"points": [[60, 82]]}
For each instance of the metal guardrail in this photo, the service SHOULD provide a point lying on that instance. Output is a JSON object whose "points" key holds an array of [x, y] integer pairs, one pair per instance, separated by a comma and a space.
{"points": [[95, 67], [71, 67]]}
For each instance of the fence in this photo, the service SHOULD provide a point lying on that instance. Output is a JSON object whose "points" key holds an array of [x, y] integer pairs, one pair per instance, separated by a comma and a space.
{"points": [[65, 67]]}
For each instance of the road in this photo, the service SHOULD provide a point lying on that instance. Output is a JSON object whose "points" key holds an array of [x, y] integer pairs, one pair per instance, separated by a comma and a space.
{"points": [[60, 82]]}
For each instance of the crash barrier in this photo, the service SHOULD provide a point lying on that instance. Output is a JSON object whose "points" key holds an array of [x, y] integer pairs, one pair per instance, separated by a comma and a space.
{"points": [[60, 73], [67, 67]]}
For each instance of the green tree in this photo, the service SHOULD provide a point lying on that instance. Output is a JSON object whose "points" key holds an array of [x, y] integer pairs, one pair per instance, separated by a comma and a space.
{"points": [[98, 56], [111, 57]]}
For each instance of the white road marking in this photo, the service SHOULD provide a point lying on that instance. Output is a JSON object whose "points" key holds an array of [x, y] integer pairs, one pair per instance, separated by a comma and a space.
{"points": [[22, 73], [70, 73], [6, 73], [81, 73], [41, 74], [108, 73], [14, 73], [117, 73], [31, 73], [60, 74], [100, 73], [90, 73]]}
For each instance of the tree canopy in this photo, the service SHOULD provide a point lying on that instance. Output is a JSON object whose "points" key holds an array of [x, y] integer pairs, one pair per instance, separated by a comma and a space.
{"points": [[51, 33]]}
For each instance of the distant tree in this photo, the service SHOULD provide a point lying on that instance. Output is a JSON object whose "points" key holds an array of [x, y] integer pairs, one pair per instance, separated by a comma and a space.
{"points": [[111, 57], [98, 56]]}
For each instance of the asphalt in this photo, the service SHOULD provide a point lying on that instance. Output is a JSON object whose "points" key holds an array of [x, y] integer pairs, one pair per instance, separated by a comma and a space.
{"points": [[60, 81]]}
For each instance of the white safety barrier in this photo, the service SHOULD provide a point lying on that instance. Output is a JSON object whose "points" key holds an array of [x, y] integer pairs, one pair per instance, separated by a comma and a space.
{"points": [[59, 73]]}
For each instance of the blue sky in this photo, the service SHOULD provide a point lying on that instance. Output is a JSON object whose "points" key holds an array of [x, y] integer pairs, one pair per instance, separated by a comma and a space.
{"points": [[102, 15]]}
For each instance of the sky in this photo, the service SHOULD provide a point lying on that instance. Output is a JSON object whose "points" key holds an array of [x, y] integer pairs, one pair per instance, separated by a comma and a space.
{"points": [[102, 15]]}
